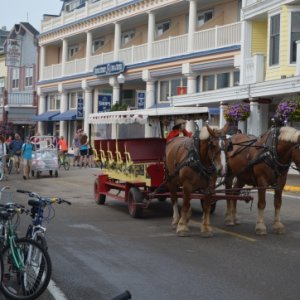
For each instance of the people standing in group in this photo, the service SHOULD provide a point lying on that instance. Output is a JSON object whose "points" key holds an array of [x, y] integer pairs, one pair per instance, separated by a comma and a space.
{"points": [[3, 155], [84, 150], [76, 143], [16, 147], [26, 153]]}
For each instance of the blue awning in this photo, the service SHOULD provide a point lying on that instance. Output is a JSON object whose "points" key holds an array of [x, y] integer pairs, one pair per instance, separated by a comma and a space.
{"points": [[214, 111], [46, 116], [68, 115]]}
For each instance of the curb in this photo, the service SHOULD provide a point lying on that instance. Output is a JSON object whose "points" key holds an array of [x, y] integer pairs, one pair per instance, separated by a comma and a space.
{"points": [[291, 188]]}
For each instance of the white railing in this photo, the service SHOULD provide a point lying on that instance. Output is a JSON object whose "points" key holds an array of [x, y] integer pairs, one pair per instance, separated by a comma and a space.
{"points": [[220, 36], [78, 14]]}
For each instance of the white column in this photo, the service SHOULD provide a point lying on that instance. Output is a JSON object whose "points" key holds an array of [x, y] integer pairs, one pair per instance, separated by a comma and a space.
{"points": [[63, 108], [89, 40], [192, 24], [42, 60], [222, 121], [191, 79], [254, 121], [88, 109], [117, 41], [64, 57], [245, 49], [42, 109], [151, 34], [298, 59], [113, 82]]}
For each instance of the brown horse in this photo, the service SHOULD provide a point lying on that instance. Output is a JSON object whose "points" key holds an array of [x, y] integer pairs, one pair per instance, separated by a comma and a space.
{"points": [[262, 163], [194, 169]]}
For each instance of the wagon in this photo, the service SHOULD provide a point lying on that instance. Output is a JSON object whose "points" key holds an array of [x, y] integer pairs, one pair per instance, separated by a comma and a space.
{"points": [[132, 169], [44, 156]]}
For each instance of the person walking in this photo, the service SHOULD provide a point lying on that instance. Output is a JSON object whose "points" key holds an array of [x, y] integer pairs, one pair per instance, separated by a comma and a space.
{"points": [[76, 147], [26, 152], [3, 155], [84, 149], [16, 147]]}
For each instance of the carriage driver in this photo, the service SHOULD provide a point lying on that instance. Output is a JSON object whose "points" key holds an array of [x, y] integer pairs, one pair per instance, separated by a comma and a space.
{"points": [[178, 130]]}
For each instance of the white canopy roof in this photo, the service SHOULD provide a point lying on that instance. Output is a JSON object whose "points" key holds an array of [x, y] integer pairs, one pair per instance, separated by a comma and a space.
{"points": [[141, 115]]}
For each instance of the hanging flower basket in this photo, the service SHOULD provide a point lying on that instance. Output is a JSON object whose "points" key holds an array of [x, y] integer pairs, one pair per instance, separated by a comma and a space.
{"points": [[288, 110], [237, 112]]}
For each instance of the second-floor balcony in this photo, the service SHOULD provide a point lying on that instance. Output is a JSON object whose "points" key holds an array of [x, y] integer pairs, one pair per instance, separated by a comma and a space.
{"points": [[204, 40], [18, 99]]}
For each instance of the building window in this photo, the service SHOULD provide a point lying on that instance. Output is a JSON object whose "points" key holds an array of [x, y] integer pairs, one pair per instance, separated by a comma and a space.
{"points": [[173, 87], [97, 43], [28, 77], [73, 99], [208, 83], [127, 36], [128, 98], [164, 91], [54, 102], [72, 50], [74, 4], [204, 16], [223, 80], [15, 78], [162, 27], [2, 82], [274, 40], [295, 35], [236, 78]]}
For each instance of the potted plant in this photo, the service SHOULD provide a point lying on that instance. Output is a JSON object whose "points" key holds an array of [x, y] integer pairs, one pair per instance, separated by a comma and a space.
{"points": [[287, 110]]}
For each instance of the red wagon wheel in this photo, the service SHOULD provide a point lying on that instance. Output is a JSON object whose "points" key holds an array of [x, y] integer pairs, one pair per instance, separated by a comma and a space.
{"points": [[135, 199], [99, 198]]}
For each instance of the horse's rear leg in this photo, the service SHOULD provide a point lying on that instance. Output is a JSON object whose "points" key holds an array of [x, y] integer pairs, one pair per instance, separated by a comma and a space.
{"points": [[278, 227], [176, 215], [206, 230]]}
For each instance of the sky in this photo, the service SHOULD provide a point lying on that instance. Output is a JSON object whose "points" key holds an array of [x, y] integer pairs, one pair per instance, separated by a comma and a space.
{"points": [[31, 11]]}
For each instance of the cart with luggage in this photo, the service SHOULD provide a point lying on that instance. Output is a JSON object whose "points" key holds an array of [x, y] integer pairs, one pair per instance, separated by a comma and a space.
{"points": [[44, 156]]}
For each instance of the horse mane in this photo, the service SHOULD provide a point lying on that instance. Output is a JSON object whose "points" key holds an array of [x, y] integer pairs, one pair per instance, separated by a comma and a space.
{"points": [[289, 134], [204, 134]]}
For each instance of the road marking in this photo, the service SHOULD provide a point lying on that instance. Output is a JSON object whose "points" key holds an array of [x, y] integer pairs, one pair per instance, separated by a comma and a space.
{"points": [[237, 235], [55, 291]]}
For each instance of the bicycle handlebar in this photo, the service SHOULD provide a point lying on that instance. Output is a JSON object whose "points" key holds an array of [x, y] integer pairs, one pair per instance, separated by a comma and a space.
{"points": [[51, 200], [124, 296]]}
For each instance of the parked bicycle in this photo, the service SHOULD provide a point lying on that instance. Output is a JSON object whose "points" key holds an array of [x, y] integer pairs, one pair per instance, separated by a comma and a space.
{"points": [[36, 230], [25, 265], [63, 160]]}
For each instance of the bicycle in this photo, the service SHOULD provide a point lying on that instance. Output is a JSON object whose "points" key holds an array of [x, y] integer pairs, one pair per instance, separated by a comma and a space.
{"points": [[63, 160], [25, 265], [10, 163], [36, 230]]}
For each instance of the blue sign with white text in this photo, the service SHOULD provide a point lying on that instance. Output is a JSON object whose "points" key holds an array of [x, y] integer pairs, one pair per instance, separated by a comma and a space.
{"points": [[80, 108], [112, 68], [104, 103], [141, 100]]}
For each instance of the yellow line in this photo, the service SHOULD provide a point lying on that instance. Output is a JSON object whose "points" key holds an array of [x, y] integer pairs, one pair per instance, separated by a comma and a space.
{"points": [[237, 235]]}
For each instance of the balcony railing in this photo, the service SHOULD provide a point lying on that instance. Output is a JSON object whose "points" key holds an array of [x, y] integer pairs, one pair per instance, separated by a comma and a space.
{"points": [[78, 14], [214, 38], [16, 98]]}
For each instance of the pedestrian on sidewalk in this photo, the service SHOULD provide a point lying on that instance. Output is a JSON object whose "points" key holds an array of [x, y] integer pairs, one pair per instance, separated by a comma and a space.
{"points": [[16, 147], [27, 149]]}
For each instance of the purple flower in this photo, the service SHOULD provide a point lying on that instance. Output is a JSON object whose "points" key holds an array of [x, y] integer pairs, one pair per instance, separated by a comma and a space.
{"points": [[237, 112], [286, 109]]}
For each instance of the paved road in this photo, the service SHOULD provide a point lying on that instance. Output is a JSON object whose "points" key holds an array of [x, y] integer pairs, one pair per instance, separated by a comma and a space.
{"points": [[99, 251]]}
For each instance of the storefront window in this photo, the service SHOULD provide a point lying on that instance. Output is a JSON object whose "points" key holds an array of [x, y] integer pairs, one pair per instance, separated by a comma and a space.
{"points": [[208, 83]]}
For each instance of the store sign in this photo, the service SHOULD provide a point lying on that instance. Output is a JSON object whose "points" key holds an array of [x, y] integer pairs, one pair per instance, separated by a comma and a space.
{"points": [[104, 103], [80, 108], [112, 68], [13, 53], [141, 97]]}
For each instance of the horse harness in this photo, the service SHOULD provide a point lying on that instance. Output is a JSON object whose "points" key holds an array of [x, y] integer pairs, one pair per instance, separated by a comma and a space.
{"points": [[192, 160]]}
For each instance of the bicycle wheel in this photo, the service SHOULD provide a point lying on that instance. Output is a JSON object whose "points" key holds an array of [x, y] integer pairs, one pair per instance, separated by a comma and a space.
{"points": [[66, 164], [31, 279], [1, 174], [10, 165]]}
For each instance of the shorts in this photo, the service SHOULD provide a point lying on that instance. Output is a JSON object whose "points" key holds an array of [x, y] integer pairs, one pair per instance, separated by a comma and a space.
{"points": [[76, 152], [84, 152]]}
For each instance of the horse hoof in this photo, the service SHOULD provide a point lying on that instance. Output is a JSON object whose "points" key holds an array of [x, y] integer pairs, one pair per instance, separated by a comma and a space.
{"points": [[260, 231], [183, 233], [229, 223], [207, 234], [278, 230]]}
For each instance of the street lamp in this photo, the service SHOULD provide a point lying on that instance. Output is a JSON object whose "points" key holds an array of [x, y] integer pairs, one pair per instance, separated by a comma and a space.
{"points": [[6, 109]]}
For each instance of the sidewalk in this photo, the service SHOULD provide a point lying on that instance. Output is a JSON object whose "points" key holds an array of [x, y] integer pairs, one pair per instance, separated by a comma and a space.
{"points": [[292, 183]]}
